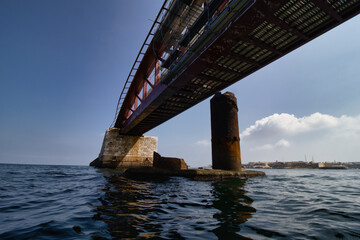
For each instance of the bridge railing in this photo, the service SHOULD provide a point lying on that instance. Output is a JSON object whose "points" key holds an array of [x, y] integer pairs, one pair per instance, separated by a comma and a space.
{"points": [[211, 10], [157, 22], [176, 28]]}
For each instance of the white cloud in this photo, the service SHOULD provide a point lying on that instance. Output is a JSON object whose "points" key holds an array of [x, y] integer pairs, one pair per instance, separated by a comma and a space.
{"points": [[282, 143], [288, 138], [263, 147], [204, 143], [288, 124]]}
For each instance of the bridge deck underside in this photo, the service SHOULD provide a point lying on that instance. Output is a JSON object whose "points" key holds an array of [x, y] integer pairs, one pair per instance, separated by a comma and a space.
{"points": [[245, 41]]}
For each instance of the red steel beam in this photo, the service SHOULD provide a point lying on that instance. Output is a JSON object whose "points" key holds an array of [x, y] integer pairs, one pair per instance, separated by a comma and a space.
{"points": [[195, 61], [163, 91], [157, 71], [144, 89], [144, 70]]}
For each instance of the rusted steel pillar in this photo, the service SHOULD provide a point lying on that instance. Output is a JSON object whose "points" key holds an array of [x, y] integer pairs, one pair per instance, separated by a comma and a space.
{"points": [[225, 139]]}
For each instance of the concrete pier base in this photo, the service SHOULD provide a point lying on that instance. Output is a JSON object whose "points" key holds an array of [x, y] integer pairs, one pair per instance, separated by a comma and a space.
{"points": [[123, 151], [151, 173], [225, 140], [225, 149]]}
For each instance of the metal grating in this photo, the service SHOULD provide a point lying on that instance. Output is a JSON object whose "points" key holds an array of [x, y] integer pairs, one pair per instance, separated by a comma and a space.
{"points": [[341, 5], [266, 30]]}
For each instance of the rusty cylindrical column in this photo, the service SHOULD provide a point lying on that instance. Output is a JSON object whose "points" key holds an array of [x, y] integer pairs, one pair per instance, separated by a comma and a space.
{"points": [[225, 139]]}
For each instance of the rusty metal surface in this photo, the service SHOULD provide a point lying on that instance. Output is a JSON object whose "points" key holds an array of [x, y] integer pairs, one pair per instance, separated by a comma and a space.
{"points": [[160, 43], [225, 139], [245, 37]]}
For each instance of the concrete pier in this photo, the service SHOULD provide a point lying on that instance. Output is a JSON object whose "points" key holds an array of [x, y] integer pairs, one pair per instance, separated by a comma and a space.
{"points": [[225, 140], [151, 173], [123, 151], [138, 154]]}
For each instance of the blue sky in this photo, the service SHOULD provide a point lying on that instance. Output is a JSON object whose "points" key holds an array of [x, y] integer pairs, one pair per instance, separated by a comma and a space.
{"points": [[63, 65]]}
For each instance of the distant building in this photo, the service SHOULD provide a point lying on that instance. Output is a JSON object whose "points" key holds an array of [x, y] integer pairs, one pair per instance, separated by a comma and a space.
{"points": [[328, 165], [301, 165]]}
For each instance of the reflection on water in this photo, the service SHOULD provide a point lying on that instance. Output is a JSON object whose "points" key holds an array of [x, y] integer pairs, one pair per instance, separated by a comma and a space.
{"points": [[125, 207], [72, 202], [174, 208], [235, 207]]}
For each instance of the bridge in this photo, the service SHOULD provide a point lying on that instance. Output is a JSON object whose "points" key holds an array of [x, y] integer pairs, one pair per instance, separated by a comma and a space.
{"points": [[196, 48]]}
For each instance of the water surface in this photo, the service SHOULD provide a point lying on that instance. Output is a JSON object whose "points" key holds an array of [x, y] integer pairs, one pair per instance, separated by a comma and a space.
{"points": [[46, 202]]}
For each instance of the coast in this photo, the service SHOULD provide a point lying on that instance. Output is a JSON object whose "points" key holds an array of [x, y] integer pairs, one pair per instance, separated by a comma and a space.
{"points": [[303, 165]]}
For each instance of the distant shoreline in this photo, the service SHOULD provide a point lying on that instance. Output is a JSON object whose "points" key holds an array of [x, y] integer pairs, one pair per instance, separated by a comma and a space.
{"points": [[303, 165]]}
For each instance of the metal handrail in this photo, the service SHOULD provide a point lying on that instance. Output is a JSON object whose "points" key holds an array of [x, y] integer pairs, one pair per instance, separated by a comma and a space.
{"points": [[131, 76], [152, 34]]}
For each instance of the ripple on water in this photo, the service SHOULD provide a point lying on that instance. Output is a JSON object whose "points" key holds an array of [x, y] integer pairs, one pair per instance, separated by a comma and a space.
{"points": [[54, 202]]}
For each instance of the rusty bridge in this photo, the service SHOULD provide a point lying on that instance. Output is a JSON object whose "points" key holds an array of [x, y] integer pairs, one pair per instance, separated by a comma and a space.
{"points": [[196, 48]]}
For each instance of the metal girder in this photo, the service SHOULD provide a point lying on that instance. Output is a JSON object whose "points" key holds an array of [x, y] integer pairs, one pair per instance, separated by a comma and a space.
{"points": [[328, 9], [145, 68], [200, 22], [243, 59], [149, 82], [225, 69], [268, 13], [180, 82], [263, 45], [211, 78]]}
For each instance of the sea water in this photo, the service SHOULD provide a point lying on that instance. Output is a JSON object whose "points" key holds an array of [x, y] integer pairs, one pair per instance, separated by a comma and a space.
{"points": [[80, 202]]}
